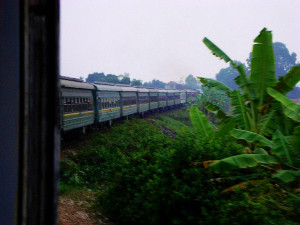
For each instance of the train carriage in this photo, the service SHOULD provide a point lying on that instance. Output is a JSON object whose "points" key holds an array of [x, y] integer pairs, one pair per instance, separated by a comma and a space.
{"points": [[77, 108], [108, 102], [153, 93], [189, 96], [162, 98], [128, 100], [171, 99], [183, 96], [143, 100], [194, 96], [177, 97]]}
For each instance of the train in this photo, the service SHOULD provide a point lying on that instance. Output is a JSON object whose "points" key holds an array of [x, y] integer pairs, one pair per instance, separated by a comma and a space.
{"points": [[86, 104]]}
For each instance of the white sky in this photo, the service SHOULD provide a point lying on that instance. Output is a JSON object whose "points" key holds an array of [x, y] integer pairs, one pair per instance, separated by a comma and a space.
{"points": [[162, 39]]}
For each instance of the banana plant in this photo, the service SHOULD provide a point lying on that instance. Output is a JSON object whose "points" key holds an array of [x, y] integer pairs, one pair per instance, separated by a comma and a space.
{"points": [[253, 107], [262, 116]]}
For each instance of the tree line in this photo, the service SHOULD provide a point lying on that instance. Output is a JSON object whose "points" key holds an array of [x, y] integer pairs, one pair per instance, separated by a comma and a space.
{"points": [[190, 81]]}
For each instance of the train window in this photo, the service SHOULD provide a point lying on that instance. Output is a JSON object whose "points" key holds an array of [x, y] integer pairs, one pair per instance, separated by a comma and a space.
{"points": [[143, 99], [153, 98], [131, 100]]}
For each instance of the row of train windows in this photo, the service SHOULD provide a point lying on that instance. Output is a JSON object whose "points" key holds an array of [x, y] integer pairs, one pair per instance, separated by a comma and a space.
{"points": [[76, 100], [162, 98], [72, 105], [106, 103]]}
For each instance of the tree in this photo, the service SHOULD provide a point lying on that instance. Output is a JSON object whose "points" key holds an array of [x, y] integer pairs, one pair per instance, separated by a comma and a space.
{"points": [[96, 77], [125, 80], [191, 82], [154, 84], [135, 82], [111, 78]]}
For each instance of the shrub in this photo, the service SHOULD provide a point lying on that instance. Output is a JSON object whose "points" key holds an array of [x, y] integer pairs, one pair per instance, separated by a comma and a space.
{"points": [[165, 187]]}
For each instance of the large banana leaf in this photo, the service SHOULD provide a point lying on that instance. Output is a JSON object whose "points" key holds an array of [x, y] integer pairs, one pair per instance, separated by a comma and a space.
{"points": [[242, 161], [292, 109], [260, 151], [200, 122], [296, 139], [220, 114], [239, 110], [262, 73], [216, 50], [288, 81], [281, 146], [291, 114], [286, 175], [211, 83], [250, 137], [242, 80], [225, 128], [268, 124]]}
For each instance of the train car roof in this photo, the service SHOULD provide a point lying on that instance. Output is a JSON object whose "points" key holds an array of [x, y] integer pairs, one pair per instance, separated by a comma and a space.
{"points": [[128, 89], [153, 90], [172, 91], [76, 84], [141, 89], [162, 90], [107, 87]]}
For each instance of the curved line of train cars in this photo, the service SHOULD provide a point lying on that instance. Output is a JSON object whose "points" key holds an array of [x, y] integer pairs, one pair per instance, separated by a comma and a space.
{"points": [[84, 104]]}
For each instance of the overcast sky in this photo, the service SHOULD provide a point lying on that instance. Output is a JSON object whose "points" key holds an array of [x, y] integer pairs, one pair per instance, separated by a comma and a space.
{"points": [[162, 39]]}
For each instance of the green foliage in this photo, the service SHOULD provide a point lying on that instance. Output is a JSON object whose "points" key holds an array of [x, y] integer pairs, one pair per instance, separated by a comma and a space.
{"points": [[135, 82], [165, 187], [216, 50], [242, 161], [200, 122], [259, 111], [250, 137], [211, 83], [286, 175], [262, 73], [292, 110], [281, 147], [144, 177], [155, 84], [284, 61], [109, 78], [288, 81]]}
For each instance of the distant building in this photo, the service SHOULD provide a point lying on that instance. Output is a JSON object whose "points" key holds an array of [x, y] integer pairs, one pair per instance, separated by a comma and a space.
{"points": [[171, 85]]}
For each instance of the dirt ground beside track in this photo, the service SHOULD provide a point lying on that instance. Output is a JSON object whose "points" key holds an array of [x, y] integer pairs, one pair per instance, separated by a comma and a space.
{"points": [[76, 212]]}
